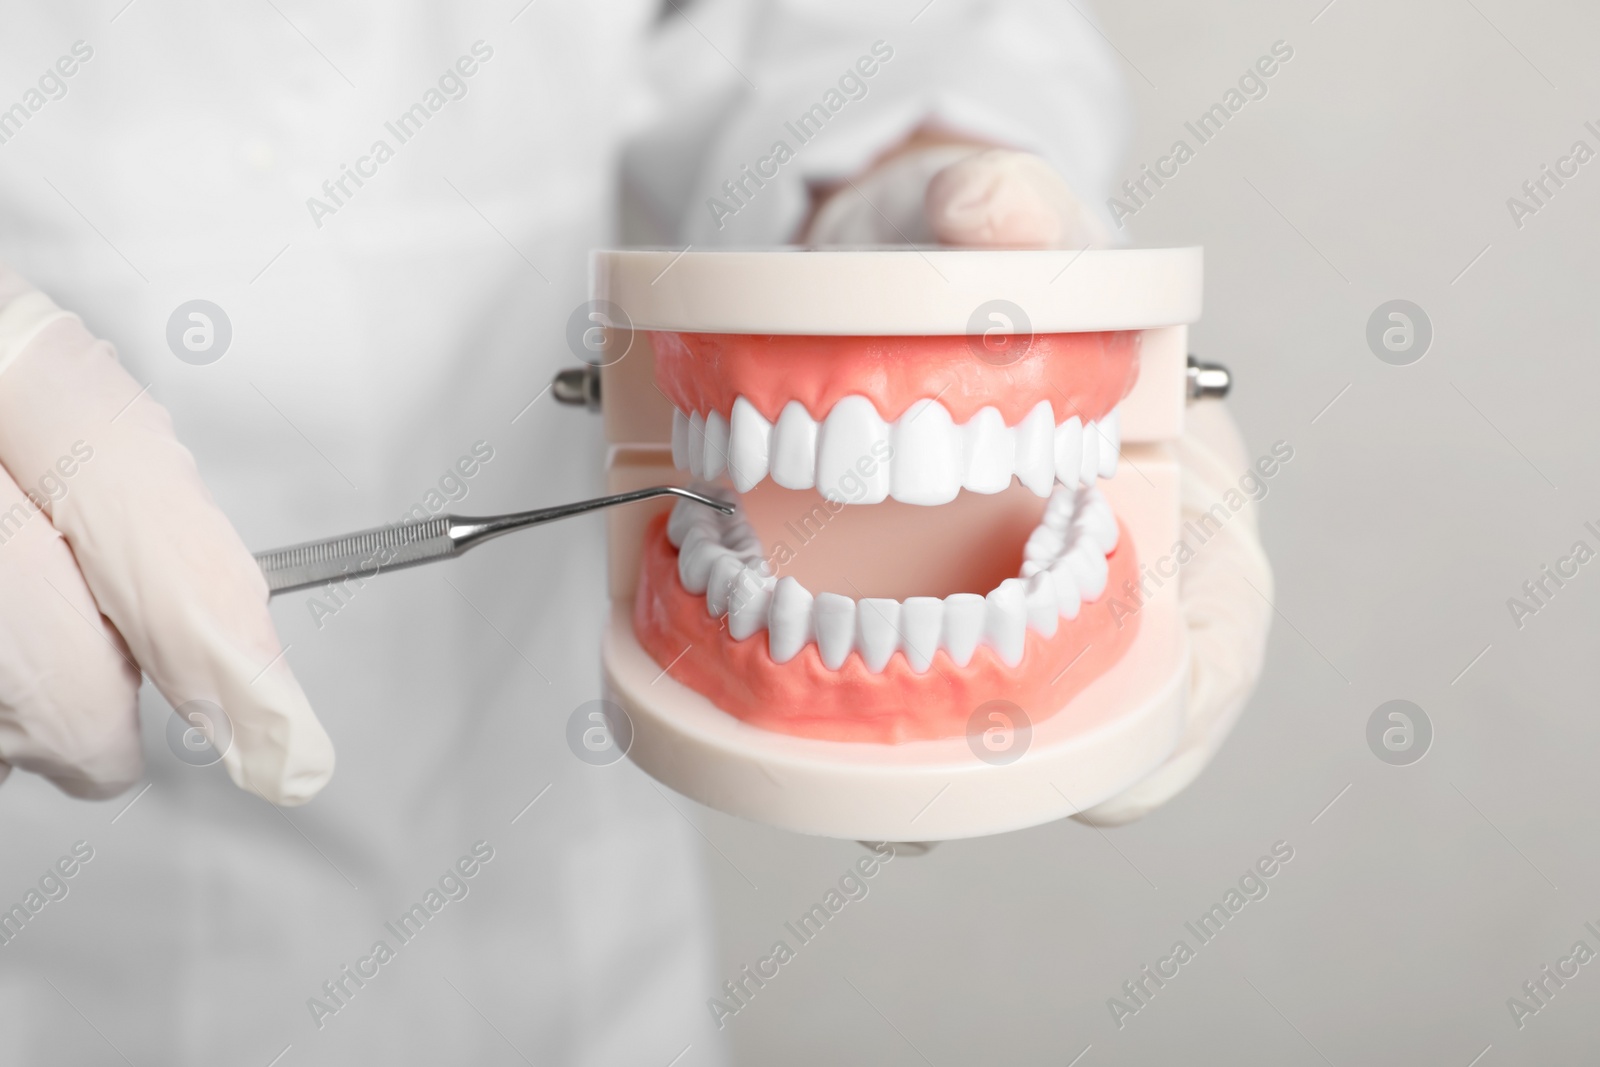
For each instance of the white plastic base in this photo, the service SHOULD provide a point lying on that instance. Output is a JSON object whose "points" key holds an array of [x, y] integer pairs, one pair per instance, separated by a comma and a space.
{"points": [[1109, 736], [921, 791]]}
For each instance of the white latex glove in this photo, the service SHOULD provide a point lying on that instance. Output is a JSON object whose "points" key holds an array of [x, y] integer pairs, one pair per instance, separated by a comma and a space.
{"points": [[964, 195], [113, 560], [1228, 620], [959, 195]]}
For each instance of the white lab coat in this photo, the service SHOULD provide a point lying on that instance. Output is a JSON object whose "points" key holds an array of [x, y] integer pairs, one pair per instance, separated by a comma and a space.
{"points": [[373, 348]]}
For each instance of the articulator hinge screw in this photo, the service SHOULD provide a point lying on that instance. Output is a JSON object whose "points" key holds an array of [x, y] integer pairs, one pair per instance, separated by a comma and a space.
{"points": [[1208, 381], [578, 386]]}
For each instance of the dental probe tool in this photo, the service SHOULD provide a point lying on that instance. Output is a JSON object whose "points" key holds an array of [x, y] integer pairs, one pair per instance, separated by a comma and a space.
{"points": [[369, 553]]}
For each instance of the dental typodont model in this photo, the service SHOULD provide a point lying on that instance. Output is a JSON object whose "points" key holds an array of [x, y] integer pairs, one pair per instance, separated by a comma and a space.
{"points": [[807, 619], [945, 602]]}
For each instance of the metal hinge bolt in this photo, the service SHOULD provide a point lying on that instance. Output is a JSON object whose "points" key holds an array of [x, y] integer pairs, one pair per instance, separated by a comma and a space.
{"points": [[578, 386], [1208, 381]]}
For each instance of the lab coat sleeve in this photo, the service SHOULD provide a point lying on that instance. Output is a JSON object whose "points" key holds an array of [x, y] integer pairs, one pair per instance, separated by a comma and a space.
{"points": [[752, 104]]}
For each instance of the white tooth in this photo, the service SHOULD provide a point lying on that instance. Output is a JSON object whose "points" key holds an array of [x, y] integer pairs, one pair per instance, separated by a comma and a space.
{"points": [[1036, 461], [749, 445], [749, 604], [725, 571], [1062, 507], [963, 626], [921, 618], [1069, 451], [746, 547], [716, 454], [836, 628], [1089, 466], [991, 452], [1068, 598], [1044, 545], [1101, 530], [1089, 567], [878, 632], [697, 445], [1100, 506], [1110, 442], [1099, 524], [680, 440], [1005, 625], [704, 530], [789, 620], [695, 561], [686, 515], [1030, 567], [1043, 613], [927, 456], [848, 444], [698, 535], [794, 447]]}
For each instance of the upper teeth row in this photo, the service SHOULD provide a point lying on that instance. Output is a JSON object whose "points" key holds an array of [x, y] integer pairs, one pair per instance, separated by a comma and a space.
{"points": [[1064, 566], [923, 457]]}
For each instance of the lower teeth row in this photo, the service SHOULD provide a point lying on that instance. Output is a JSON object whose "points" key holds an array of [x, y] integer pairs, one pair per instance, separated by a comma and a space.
{"points": [[1064, 567]]}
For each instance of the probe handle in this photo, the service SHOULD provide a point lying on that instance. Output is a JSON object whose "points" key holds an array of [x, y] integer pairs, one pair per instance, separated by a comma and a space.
{"points": [[366, 554], [358, 555]]}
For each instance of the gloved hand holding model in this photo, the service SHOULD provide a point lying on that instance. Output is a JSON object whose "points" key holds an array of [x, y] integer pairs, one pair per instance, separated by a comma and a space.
{"points": [[114, 560], [969, 195]]}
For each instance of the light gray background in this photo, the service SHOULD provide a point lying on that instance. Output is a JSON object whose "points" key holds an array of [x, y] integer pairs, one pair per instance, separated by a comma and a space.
{"points": [[1414, 507]]}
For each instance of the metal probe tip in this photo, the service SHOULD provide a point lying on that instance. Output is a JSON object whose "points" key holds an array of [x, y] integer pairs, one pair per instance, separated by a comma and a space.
{"points": [[726, 509]]}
